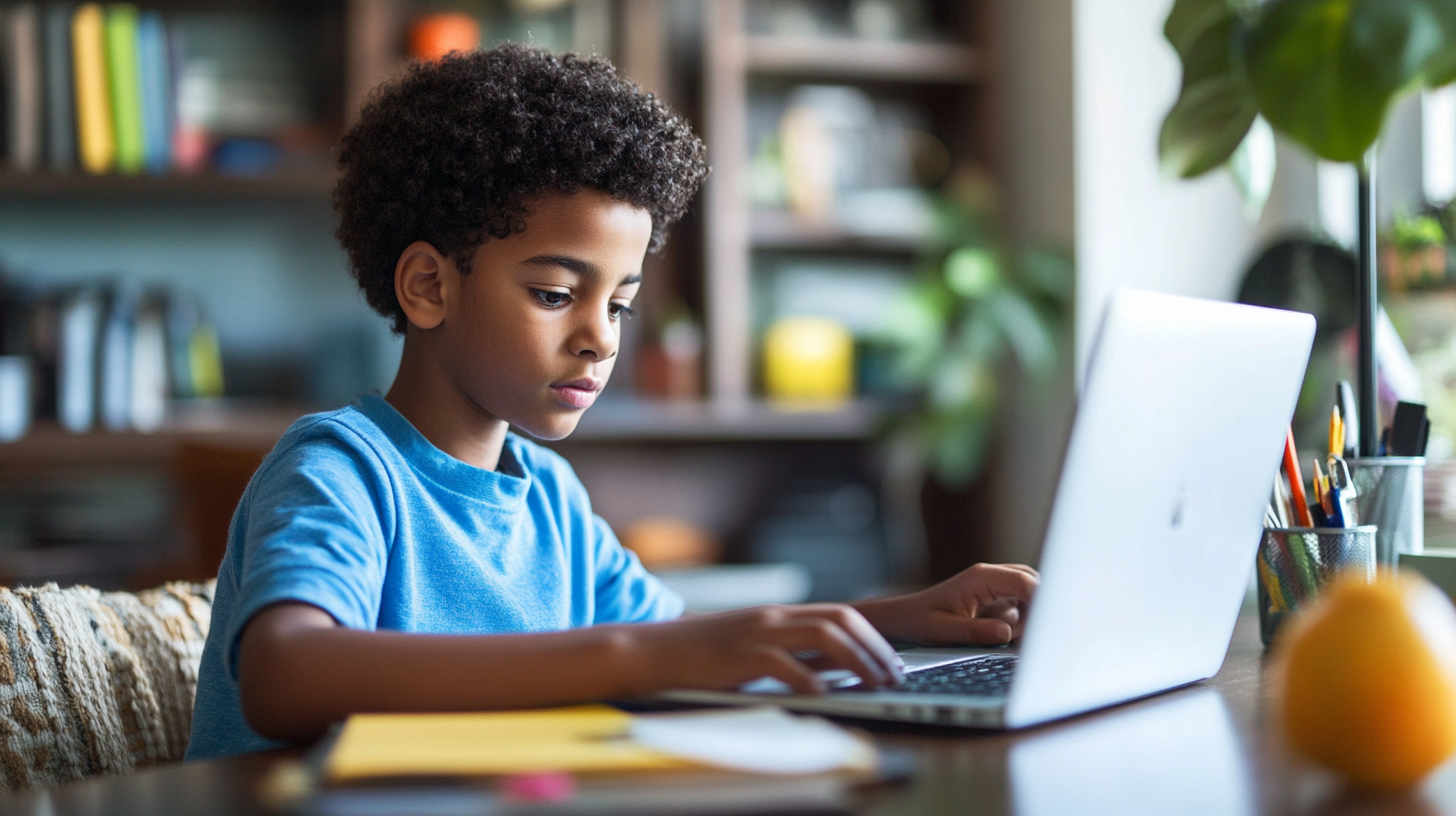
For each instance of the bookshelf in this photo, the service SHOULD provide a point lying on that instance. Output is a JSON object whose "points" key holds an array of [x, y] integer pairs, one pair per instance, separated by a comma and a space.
{"points": [[710, 73], [859, 60], [946, 77], [312, 185]]}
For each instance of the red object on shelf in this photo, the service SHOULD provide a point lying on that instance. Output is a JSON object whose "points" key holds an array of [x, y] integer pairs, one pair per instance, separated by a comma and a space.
{"points": [[432, 36]]}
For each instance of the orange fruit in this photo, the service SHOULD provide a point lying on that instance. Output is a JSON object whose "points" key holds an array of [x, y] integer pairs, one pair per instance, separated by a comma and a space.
{"points": [[1365, 680]]}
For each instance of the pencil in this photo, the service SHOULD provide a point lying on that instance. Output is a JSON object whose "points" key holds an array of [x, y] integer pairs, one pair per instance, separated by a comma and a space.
{"points": [[1296, 482]]}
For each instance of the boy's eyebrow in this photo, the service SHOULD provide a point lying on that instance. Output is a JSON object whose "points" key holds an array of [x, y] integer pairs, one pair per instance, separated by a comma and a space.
{"points": [[584, 268]]}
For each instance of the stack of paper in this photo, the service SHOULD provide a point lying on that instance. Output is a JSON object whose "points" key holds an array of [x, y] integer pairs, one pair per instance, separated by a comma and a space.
{"points": [[594, 738]]}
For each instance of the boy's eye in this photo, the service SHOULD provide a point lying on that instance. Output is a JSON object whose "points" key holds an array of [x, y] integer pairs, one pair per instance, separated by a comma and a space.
{"points": [[621, 311], [550, 299]]}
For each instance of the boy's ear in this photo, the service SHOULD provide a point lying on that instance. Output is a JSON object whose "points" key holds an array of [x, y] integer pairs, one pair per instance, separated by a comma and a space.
{"points": [[419, 284]]}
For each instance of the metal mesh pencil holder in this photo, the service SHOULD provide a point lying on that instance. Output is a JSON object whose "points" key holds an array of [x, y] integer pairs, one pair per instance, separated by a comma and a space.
{"points": [[1391, 496], [1293, 564]]}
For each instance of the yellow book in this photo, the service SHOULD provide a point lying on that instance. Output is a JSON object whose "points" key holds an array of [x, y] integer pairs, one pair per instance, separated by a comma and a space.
{"points": [[572, 739], [94, 130]]}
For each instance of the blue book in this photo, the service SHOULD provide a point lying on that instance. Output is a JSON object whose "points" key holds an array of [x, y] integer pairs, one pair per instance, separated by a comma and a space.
{"points": [[115, 373], [80, 326], [154, 60]]}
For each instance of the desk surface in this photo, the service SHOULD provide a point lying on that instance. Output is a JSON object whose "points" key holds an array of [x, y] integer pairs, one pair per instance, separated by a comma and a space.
{"points": [[1201, 750]]}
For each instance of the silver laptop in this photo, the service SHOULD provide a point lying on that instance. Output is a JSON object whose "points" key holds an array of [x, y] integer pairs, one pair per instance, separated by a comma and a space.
{"points": [[1179, 431]]}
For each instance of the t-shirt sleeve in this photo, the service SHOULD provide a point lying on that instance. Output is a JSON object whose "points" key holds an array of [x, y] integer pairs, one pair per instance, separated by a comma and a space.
{"points": [[625, 591], [313, 534]]}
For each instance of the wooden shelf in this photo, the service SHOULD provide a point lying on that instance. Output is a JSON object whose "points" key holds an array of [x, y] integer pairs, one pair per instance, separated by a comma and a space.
{"points": [[863, 59], [312, 185], [631, 420], [785, 231], [48, 445]]}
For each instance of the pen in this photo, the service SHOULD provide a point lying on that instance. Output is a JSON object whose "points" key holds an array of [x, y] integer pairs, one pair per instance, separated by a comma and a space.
{"points": [[1338, 508], [1296, 482]]}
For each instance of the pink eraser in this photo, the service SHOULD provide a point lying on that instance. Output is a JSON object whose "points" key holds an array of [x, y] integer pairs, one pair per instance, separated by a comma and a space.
{"points": [[544, 786]]}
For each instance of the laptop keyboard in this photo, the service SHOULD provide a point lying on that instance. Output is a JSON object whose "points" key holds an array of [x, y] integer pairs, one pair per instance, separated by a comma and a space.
{"points": [[980, 677]]}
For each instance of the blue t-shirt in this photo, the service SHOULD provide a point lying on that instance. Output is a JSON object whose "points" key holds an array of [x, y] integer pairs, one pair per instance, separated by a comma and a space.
{"points": [[358, 514]]}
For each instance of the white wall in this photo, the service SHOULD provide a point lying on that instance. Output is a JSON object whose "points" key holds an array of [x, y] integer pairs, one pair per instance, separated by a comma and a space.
{"points": [[1135, 228]]}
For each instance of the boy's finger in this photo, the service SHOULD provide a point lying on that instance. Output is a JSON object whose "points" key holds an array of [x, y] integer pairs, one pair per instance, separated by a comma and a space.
{"points": [[1023, 568], [954, 630], [834, 643], [778, 664], [1007, 610], [864, 633], [997, 581]]}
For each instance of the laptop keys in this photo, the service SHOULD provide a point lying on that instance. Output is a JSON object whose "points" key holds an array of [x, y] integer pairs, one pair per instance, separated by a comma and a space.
{"points": [[988, 676]]}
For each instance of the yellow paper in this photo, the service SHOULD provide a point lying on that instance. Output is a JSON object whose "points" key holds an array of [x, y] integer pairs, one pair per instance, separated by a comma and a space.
{"points": [[577, 738]]}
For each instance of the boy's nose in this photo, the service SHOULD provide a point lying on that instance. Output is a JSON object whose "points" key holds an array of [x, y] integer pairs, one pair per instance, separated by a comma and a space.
{"points": [[596, 338]]}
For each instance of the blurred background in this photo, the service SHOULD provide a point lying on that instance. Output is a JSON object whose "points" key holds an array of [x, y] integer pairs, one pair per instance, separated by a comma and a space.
{"points": [[855, 361]]}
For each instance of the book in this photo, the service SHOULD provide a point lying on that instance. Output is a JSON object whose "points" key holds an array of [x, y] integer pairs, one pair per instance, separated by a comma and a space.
{"points": [[93, 100], [60, 99], [79, 330], [149, 365], [23, 86], [205, 362], [116, 355], [183, 316], [126, 88], [154, 60]]}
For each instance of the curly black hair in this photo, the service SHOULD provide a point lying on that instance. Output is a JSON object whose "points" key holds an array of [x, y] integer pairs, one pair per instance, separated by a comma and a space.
{"points": [[454, 151]]}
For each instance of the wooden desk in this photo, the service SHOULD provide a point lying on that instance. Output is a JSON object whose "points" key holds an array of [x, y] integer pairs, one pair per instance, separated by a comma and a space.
{"points": [[1199, 750]]}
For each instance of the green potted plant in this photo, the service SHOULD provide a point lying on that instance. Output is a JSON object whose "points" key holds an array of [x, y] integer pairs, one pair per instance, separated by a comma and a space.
{"points": [[977, 306], [1323, 73]]}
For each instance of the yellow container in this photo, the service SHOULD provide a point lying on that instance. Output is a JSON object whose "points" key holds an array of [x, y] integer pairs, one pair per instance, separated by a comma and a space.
{"points": [[808, 359]]}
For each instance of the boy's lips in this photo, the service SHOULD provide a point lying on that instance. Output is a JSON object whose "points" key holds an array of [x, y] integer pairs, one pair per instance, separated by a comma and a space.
{"points": [[578, 393]]}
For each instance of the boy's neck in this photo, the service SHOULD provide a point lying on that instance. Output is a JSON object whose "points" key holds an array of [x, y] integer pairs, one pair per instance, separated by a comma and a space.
{"points": [[450, 420]]}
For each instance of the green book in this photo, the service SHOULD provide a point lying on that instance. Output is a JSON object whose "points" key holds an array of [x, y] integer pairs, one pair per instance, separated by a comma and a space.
{"points": [[126, 87]]}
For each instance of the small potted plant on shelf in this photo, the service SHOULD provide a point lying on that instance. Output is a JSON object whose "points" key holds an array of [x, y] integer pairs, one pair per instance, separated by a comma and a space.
{"points": [[1413, 253], [979, 311]]}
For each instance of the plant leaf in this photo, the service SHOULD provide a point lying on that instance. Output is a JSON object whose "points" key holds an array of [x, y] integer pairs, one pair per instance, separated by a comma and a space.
{"points": [[1049, 272], [1190, 19], [1212, 53], [1205, 126], [972, 272], [1440, 69], [1029, 337], [1325, 71]]}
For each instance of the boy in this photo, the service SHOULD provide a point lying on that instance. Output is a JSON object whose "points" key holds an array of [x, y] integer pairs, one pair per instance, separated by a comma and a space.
{"points": [[408, 553]]}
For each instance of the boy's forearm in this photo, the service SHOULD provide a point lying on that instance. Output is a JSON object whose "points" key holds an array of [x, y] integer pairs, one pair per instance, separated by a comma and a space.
{"points": [[296, 678]]}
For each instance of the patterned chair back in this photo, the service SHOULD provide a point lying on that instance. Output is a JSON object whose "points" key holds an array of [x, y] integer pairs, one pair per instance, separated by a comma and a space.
{"points": [[96, 683]]}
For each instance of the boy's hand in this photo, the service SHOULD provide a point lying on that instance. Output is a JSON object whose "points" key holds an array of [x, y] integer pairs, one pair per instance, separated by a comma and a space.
{"points": [[790, 643], [984, 604]]}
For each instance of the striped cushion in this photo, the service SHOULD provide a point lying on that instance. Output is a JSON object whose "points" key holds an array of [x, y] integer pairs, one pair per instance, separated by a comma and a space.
{"points": [[95, 683]]}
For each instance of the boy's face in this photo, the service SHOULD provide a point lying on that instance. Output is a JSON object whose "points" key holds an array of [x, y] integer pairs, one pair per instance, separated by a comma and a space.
{"points": [[531, 333]]}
